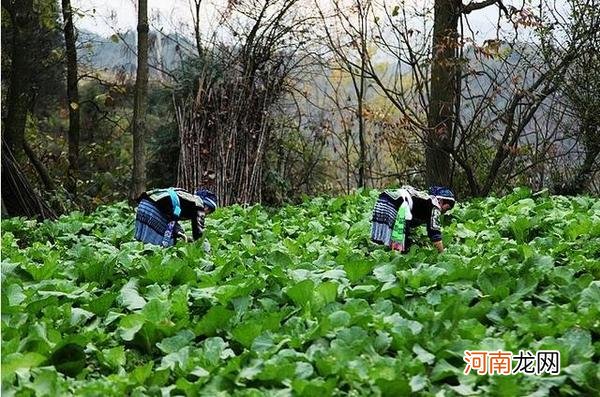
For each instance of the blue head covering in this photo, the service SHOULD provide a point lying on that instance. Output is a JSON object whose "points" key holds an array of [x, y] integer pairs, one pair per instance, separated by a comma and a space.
{"points": [[442, 192], [208, 197]]}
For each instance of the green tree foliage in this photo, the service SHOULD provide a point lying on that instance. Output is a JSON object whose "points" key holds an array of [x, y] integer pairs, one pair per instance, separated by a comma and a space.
{"points": [[581, 87], [29, 45], [163, 142]]}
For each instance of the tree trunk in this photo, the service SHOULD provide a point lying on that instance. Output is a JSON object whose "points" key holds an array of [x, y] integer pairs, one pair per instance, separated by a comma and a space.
{"points": [[73, 97], [140, 103], [196, 21], [591, 140], [361, 134], [19, 95], [24, 22], [40, 168], [362, 157], [578, 183], [444, 86]]}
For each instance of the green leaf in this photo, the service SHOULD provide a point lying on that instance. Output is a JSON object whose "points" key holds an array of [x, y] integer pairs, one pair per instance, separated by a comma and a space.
{"points": [[142, 373], [80, 316], [303, 370], [177, 342], [302, 293], [584, 375], [178, 359], [313, 387], [200, 372], [418, 383], [215, 319], [48, 382], [520, 228], [156, 311], [400, 325], [464, 390], [385, 273], [262, 343], [246, 333], [12, 362], [423, 355], [279, 258], [339, 318], [15, 294], [443, 370], [382, 342], [114, 357], [130, 325], [250, 372], [102, 304], [163, 270], [215, 350], [129, 296], [590, 296], [357, 270], [579, 345], [326, 292]]}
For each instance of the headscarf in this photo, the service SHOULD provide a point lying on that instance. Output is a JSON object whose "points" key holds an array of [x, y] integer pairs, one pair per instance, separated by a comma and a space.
{"points": [[208, 197], [444, 193]]}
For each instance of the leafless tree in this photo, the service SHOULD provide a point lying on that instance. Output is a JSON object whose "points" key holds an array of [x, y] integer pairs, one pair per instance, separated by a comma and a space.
{"points": [[72, 96], [138, 123], [225, 126]]}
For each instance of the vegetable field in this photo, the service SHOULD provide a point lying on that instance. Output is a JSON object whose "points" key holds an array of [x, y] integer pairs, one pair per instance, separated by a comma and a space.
{"points": [[297, 301]]}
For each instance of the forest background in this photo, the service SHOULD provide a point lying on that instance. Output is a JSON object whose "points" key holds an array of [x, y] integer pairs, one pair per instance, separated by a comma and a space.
{"points": [[270, 100]]}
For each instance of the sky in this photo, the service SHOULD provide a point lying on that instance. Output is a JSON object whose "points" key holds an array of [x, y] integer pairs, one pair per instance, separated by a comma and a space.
{"points": [[105, 16]]}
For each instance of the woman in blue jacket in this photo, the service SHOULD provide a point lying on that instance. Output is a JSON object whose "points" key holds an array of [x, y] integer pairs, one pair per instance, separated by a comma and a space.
{"points": [[159, 212]]}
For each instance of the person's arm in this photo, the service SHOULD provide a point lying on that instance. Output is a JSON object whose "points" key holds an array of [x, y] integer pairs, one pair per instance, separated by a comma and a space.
{"points": [[434, 230], [183, 236], [198, 224]]}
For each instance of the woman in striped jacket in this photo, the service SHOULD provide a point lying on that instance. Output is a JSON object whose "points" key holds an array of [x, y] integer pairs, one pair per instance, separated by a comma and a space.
{"points": [[398, 211], [159, 212]]}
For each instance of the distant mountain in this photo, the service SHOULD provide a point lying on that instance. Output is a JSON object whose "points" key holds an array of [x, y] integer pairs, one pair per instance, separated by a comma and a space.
{"points": [[117, 53]]}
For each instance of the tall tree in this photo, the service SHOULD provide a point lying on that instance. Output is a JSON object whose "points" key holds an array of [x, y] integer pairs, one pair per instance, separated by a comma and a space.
{"points": [[349, 48], [29, 28], [581, 86], [72, 97], [23, 20], [360, 87], [195, 7], [140, 103], [444, 88]]}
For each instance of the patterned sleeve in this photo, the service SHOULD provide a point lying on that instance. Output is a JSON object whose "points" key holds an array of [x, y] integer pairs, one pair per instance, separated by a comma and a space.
{"points": [[434, 226], [198, 224]]}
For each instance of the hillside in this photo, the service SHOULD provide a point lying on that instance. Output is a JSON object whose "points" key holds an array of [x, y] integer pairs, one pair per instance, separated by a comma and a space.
{"points": [[116, 53], [298, 301]]}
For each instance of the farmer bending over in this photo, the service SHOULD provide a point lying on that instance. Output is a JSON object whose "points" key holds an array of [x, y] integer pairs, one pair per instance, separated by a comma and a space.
{"points": [[160, 210], [398, 211]]}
